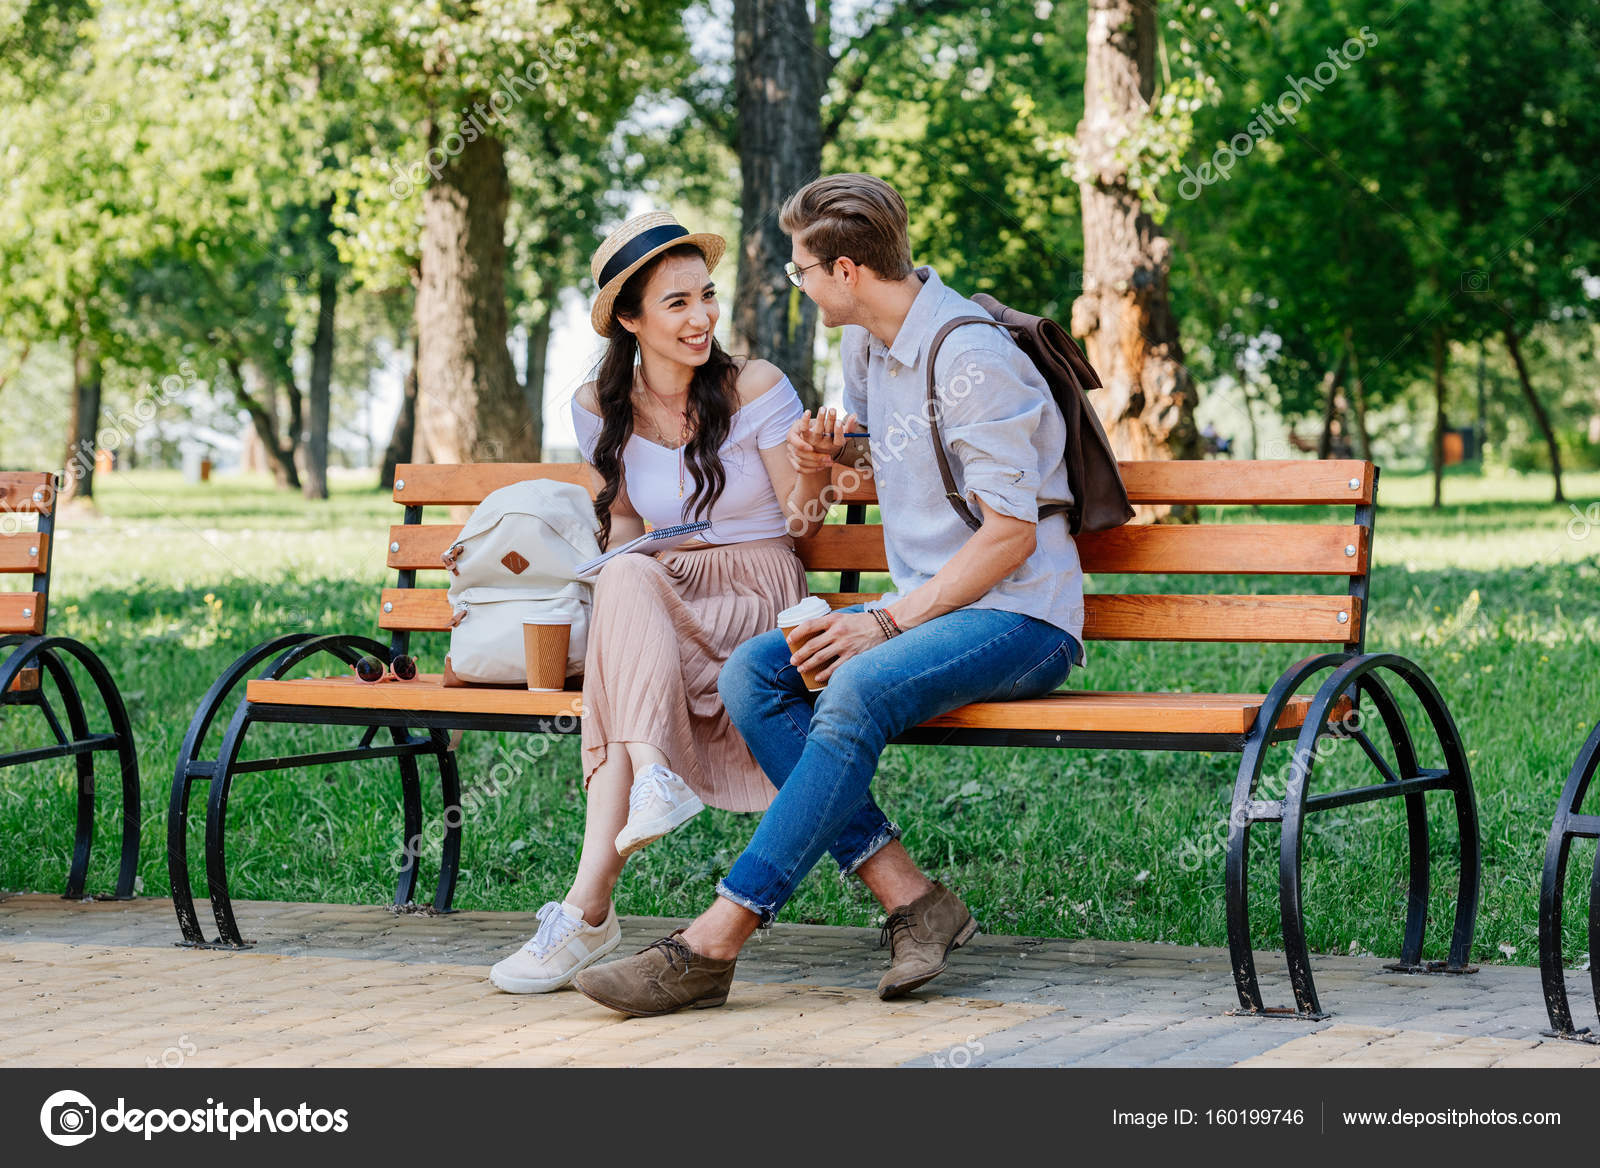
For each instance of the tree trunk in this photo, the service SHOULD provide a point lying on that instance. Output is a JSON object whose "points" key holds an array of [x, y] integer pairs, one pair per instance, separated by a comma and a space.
{"points": [[534, 355], [259, 397], [778, 92], [1124, 315], [403, 438], [469, 402], [316, 442], [1514, 347], [1330, 408], [1439, 423], [1358, 395], [83, 422]]}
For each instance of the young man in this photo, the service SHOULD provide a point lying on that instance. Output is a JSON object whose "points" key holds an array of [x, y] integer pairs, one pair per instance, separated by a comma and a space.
{"points": [[985, 615]]}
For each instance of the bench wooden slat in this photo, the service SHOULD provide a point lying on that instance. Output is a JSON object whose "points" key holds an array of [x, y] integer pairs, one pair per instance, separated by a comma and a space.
{"points": [[418, 546], [1127, 713], [24, 551], [1253, 619], [1282, 481], [1238, 549], [21, 612], [467, 484], [1107, 617], [839, 547], [18, 489], [1263, 549]]}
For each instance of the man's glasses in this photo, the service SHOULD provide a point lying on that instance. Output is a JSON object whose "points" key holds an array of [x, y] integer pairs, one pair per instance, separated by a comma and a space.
{"points": [[372, 670], [797, 274]]}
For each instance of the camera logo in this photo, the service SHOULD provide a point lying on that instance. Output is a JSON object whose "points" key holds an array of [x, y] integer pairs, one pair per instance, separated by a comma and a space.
{"points": [[68, 1118]]}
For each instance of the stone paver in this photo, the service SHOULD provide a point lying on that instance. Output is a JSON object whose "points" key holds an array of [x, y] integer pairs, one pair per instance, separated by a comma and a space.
{"points": [[105, 984]]}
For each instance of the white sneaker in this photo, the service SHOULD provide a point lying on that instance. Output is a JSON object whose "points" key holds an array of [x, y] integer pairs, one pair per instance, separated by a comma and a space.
{"points": [[659, 802], [564, 944]]}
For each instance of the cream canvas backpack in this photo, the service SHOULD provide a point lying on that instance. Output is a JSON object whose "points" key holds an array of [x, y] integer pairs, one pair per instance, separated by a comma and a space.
{"points": [[514, 559]]}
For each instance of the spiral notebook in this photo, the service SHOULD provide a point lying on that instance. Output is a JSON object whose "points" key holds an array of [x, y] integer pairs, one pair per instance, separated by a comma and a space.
{"points": [[649, 543]]}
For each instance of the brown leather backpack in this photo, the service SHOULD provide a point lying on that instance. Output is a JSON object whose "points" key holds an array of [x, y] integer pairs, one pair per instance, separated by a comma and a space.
{"points": [[1099, 500]]}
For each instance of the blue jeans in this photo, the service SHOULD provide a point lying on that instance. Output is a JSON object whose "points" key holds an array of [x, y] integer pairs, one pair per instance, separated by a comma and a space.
{"points": [[821, 750]]}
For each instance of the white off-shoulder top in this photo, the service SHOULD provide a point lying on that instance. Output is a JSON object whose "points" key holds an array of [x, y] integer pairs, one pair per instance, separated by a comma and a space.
{"points": [[749, 507]]}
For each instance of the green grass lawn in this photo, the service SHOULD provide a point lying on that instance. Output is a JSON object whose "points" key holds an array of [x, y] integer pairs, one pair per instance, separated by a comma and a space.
{"points": [[1497, 596]]}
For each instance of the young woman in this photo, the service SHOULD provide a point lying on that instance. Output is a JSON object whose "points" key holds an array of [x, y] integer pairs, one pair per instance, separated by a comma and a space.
{"points": [[674, 430]]}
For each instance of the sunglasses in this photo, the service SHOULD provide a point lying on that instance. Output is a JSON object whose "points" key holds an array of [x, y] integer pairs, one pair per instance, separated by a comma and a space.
{"points": [[371, 669]]}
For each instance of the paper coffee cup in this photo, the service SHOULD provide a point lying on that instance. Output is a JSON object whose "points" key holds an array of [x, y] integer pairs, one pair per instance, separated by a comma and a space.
{"points": [[544, 648], [808, 609]]}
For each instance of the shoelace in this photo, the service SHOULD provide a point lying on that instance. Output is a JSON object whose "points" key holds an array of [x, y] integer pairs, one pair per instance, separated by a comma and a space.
{"points": [[555, 926], [675, 950], [648, 784], [898, 922]]}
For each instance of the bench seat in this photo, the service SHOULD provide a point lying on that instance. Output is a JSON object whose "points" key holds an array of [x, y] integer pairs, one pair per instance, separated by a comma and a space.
{"points": [[1070, 711]]}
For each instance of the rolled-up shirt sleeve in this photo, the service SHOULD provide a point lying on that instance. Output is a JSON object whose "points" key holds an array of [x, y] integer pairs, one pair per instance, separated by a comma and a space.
{"points": [[989, 418]]}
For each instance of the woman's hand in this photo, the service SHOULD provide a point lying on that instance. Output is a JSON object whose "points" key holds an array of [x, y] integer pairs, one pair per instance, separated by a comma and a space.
{"points": [[815, 442], [842, 635]]}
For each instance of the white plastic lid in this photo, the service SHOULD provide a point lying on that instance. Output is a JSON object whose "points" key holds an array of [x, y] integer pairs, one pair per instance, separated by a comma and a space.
{"points": [[808, 609]]}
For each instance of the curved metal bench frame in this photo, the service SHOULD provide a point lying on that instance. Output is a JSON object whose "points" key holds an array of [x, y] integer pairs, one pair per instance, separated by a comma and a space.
{"points": [[46, 654], [1568, 826], [1355, 676], [282, 655], [50, 655]]}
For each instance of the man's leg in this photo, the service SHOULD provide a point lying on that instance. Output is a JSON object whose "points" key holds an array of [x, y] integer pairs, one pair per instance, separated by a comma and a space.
{"points": [[965, 656], [962, 657], [769, 703]]}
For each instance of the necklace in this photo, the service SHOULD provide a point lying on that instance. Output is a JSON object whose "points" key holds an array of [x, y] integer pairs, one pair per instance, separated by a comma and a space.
{"points": [[683, 430]]}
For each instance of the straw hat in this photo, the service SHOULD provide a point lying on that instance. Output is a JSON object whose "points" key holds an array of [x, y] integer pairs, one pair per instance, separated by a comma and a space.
{"points": [[630, 247]]}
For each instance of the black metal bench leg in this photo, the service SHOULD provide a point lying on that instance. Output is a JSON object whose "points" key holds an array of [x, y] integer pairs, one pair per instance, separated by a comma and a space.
{"points": [[78, 873], [216, 828], [1295, 950], [411, 815], [450, 856], [1567, 826], [178, 856], [1238, 902]]}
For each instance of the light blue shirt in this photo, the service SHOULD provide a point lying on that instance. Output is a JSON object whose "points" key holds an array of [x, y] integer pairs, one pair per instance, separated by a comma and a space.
{"points": [[1005, 438]]}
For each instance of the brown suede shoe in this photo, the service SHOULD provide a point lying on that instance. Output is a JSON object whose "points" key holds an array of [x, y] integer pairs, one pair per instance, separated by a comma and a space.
{"points": [[920, 936], [664, 976]]}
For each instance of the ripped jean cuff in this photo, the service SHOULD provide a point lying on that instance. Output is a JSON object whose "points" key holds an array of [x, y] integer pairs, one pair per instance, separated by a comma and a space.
{"points": [[767, 913], [887, 834]]}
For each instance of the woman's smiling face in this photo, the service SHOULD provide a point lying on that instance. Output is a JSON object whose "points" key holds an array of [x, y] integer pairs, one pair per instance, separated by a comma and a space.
{"points": [[678, 311]]}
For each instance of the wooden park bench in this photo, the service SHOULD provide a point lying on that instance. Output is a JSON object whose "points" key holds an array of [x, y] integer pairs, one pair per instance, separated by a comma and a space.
{"points": [[1569, 825], [29, 655], [419, 713]]}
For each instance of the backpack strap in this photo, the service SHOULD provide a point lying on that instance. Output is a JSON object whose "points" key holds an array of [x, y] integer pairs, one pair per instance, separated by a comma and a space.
{"points": [[952, 495]]}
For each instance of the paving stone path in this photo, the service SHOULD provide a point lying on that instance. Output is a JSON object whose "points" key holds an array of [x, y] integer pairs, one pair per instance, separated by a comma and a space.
{"points": [[101, 983]]}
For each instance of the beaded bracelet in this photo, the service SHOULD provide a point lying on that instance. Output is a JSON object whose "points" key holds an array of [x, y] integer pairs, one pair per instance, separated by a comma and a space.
{"points": [[885, 623]]}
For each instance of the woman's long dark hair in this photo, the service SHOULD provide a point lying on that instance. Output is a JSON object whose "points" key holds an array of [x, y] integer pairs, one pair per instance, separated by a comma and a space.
{"points": [[709, 409]]}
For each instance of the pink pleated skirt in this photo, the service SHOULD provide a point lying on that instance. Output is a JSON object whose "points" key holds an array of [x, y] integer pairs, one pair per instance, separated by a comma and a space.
{"points": [[660, 629]]}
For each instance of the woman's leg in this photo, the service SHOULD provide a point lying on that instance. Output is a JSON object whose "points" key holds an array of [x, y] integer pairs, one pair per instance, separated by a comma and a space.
{"points": [[599, 866]]}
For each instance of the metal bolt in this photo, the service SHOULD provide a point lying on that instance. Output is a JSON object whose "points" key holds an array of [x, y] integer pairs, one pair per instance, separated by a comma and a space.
{"points": [[1344, 618], [33, 551], [1355, 484], [388, 606], [27, 612], [1349, 549], [38, 496], [399, 484], [394, 547]]}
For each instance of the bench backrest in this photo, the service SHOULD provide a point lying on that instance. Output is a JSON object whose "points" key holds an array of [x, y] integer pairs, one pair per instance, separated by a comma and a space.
{"points": [[25, 547], [1338, 551]]}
